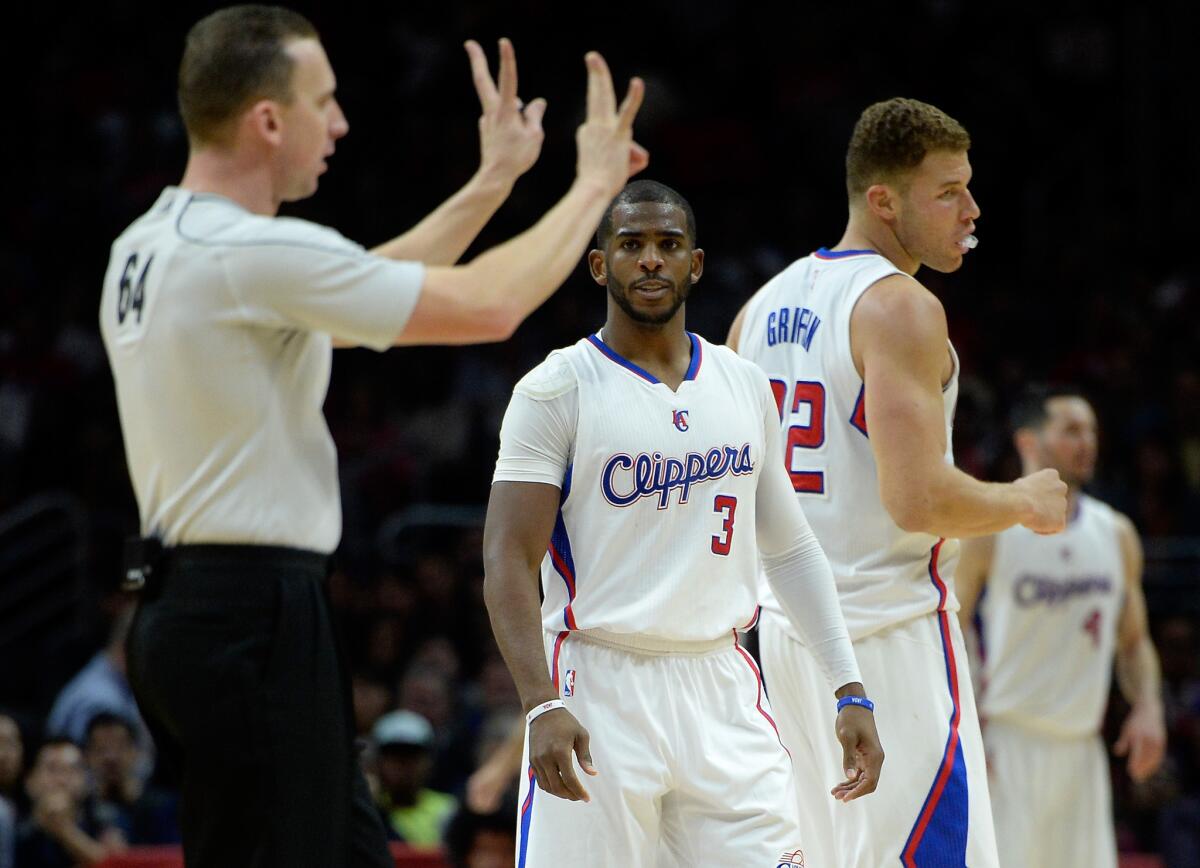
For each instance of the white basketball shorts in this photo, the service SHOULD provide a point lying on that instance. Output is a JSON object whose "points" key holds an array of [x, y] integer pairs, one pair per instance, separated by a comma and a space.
{"points": [[691, 768], [1051, 798], [931, 809]]}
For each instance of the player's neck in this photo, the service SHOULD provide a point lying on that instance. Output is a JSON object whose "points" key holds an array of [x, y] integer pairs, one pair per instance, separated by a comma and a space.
{"points": [[662, 350], [864, 234], [224, 174]]}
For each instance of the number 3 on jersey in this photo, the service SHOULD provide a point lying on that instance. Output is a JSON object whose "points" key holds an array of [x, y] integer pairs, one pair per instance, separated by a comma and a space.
{"points": [[806, 432], [727, 505]]}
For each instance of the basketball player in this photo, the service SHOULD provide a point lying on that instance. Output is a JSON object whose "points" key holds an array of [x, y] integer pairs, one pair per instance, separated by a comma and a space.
{"points": [[1053, 613], [865, 381], [638, 475], [218, 319]]}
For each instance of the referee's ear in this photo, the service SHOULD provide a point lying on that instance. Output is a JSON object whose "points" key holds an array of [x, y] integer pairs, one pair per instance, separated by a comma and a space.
{"points": [[598, 266]]}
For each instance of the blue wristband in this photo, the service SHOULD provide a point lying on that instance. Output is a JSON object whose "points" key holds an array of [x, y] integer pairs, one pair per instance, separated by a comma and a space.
{"points": [[856, 700]]}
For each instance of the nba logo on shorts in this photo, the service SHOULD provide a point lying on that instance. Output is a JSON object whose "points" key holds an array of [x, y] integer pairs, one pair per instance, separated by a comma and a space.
{"points": [[569, 683], [679, 419], [794, 858]]}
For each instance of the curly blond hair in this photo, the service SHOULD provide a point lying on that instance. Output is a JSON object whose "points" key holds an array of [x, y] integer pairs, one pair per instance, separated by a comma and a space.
{"points": [[893, 136]]}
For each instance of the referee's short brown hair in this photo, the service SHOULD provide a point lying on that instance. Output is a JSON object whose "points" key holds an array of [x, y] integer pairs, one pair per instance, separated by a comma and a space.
{"points": [[232, 58], [892, 137]]}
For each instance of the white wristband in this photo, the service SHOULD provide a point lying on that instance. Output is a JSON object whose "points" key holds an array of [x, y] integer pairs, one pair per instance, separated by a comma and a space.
{"points": [[538, 711]]}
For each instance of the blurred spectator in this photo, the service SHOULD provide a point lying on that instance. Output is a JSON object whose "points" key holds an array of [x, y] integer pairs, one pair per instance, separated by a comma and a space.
{"points": [[412, 812], [11, 756], [372, 698], [144, 814], [486, 840], [62, 829], [101, 686]]}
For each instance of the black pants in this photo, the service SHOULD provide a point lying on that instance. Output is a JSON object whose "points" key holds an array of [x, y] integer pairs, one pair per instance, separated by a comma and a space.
{"points": [[234, 663]]}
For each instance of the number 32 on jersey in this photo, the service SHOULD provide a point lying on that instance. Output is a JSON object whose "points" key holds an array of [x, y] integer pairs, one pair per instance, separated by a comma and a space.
{"points": [[806, 430]]}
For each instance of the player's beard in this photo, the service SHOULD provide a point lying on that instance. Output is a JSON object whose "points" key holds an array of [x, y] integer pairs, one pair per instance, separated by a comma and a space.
{"points": [[620, 295]]}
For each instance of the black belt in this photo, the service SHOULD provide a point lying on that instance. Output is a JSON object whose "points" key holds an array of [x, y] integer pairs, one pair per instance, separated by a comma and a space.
{"points": [[147, 560]]}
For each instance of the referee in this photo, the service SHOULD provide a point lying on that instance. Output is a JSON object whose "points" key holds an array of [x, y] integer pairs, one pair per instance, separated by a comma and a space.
{"points": [[219, 318]]}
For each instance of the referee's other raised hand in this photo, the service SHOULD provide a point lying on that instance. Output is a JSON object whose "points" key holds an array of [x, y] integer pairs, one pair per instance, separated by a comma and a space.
{"points": [[608, 155]]}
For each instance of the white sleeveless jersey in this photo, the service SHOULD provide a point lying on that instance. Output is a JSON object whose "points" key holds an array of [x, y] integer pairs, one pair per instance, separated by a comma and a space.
{"points": [[655, 536], [1048, 624], [797, 328]]}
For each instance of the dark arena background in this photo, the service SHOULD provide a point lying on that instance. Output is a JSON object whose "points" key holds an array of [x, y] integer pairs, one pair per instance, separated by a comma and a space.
{"points": [[1085, 134]]}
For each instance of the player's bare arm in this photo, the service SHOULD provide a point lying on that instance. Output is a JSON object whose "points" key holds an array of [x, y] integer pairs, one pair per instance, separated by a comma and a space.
{"points": [[971, 574], [900, 345], [1143, 735], [510, 140], [735, 330], [799, 574], [520, 519], [487, 299]]}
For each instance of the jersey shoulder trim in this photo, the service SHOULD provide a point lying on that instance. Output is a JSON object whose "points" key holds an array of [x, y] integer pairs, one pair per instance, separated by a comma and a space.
{"points": [[551, 379]]}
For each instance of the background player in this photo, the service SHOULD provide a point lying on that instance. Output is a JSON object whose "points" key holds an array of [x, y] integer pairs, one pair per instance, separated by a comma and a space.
{"points": [[638, 475], [218, 320], [1053, 612], [866, 381]]}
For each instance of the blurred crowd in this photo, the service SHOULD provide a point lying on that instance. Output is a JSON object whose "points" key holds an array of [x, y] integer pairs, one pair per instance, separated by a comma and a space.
{"points": [[1086, 272]]}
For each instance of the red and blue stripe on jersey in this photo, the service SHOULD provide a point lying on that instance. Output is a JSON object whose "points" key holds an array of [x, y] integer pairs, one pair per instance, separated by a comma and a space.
{"points": [[560, 554]]}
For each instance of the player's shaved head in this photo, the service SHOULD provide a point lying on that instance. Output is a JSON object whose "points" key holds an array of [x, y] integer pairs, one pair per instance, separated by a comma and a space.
{"points": [[640, 191], [232, 58], [892, 137]]}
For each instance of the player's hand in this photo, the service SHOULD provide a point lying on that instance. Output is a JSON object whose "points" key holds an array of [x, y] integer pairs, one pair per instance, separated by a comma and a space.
{"points": [[553, 737], [608, 155], [1143, 739], [510, 132], [862, 755], [1046, 494]]}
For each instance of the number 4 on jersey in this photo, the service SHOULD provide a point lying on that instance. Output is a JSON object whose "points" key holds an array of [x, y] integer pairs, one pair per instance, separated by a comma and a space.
{"points": [[131, 296], [803, 435]]}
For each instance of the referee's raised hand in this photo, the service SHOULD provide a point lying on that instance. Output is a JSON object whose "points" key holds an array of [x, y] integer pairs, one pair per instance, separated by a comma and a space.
{"points": [[608, 155], [510, 131], [553, 738]]}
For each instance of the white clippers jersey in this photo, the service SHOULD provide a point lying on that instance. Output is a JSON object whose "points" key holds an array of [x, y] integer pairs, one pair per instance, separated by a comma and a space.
{"points": [[656, 532], [1048, 623], [797, 328]]}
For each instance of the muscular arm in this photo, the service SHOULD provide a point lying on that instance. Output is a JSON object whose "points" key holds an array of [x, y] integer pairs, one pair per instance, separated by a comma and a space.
{"points": [[520, 519], [970, 576], [1143, 736], [899, 341]]}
